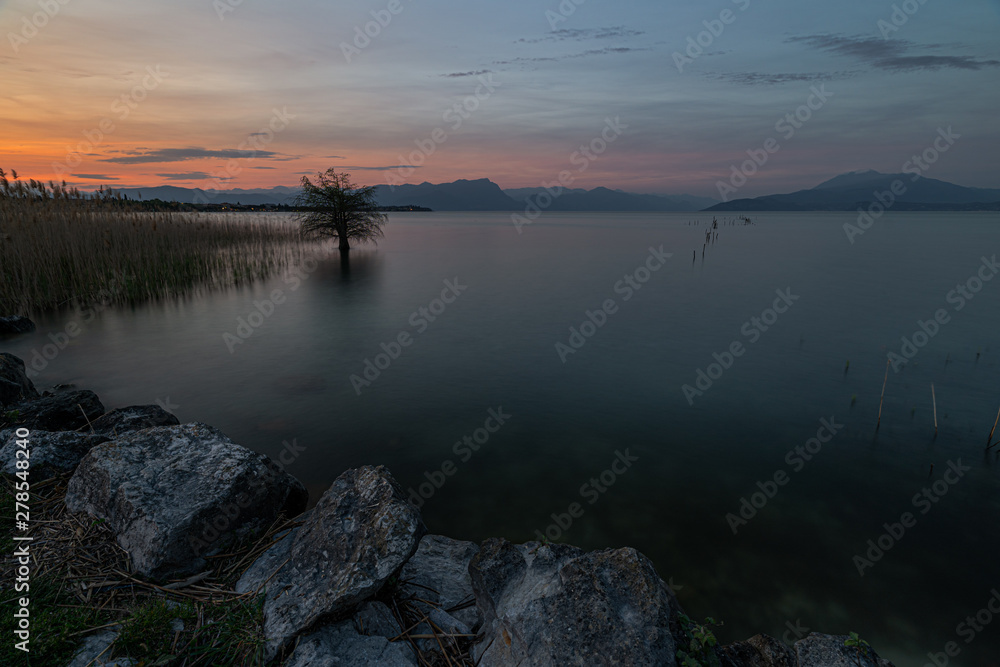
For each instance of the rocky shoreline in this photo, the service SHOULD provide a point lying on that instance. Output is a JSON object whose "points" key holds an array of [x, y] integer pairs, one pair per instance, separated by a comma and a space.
{"points": [[174, 495]]}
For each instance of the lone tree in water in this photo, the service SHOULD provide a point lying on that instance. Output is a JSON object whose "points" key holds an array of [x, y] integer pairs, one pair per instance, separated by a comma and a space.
{"points": [[334, 206]]}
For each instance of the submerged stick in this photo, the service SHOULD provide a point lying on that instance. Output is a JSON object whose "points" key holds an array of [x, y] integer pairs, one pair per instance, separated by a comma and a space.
{"points": [[990, 439], [879, 422], [934, 401]]}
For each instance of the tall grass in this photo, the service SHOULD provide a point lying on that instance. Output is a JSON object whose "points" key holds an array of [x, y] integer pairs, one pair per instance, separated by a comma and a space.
{"points": [[59, 247]]}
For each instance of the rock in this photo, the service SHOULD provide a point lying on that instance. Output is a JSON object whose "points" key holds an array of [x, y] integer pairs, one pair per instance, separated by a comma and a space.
{"points": [[356, 538], [133, 418], [95, 652], [758, 651], [14, 383], [51, 454], [16, 325], [268, 562], [819, 650], [60, 411], [439, 572], [555, 605], [359, 642], [175, 494]]}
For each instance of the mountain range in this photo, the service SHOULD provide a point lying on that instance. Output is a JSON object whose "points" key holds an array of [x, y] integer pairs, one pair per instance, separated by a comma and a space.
{"points": [[856, 189], [846, 192]]}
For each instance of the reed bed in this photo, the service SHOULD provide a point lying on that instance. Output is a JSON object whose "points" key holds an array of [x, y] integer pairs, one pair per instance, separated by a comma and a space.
{"points": [[58, 247]]}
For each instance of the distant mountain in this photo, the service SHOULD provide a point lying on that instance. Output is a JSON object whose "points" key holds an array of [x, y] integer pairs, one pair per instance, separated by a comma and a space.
{"points": [[485, 195], [478, 195], [856, 189], [603, 199]]}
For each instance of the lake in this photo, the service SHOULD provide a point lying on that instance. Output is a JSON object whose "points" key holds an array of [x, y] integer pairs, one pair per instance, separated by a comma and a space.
{"points": [[755, 490]]}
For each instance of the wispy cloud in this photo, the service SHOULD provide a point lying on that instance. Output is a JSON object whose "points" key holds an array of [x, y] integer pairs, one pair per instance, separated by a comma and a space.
{"points": [[383, 168], [769, 79], [183, 154], [473, 73], [185, 176], [96, 177], [615, 32], [608, 50], [893, 55]]}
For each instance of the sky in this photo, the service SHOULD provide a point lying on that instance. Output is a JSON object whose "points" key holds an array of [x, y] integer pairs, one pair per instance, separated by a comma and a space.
{"points": [[664, 97]]}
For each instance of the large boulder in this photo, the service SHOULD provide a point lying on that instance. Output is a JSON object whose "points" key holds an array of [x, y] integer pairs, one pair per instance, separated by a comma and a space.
{"points": [[51, 454], [16, 325], [437, 576], [820, 650], [362, 641], [555, 605], [177, 494], [14, 383], [356, 538], [61, 411], [133, 418]]}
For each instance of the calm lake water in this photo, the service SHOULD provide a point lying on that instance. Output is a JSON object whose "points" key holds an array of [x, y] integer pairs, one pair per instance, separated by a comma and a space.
{"points": [[494, 347]]}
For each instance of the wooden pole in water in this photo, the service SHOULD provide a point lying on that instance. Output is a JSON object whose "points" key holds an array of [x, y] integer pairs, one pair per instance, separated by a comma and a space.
{"points": [[990, 439], [934, 401], [879, 422]]}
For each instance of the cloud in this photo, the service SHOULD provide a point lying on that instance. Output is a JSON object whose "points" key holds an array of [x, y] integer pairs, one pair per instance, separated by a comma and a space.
{"points": [[614, 32], [608, 50], [386, 168], [185, 176], [892, 55], [474, 73], [183, 154], [96, 177], [766, 79]]}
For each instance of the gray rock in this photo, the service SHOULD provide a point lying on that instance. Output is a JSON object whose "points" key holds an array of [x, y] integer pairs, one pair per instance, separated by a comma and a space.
{"points": [[14, 383], [819, 650], [95, 652], [62, 411], [439, 573], [175, 494], [357, 537], [51, 454], [16, 325], [758, 651], [344, 645], [133, 418], [375, 619], [268, 563], [555, 605]]}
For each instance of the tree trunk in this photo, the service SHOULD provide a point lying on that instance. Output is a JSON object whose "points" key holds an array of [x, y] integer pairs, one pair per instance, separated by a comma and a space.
{"points": [[345, 243]]}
